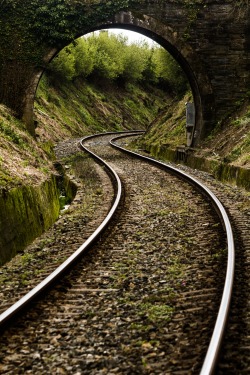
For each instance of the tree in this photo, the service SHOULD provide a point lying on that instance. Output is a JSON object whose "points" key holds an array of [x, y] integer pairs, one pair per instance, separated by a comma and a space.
{"points": [[169, 71], [111, 57], [109, 62], [85, 56], [63, 64]]}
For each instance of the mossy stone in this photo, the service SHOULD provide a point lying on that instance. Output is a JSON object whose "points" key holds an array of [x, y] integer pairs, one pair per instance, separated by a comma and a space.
{"points": [[25, 213]]}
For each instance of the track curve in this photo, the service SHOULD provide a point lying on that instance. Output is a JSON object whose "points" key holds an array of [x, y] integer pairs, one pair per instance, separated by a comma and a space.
{"points": [[213, 352], [12, 312], [209, 364]]}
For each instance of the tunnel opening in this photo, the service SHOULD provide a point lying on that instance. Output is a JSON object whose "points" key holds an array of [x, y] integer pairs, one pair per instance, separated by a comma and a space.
{"points": [[173, 42], [192, 132], [204, 39]]}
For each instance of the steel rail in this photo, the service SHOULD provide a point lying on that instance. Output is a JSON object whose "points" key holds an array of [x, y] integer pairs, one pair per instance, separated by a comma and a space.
{"points": [[214, 348], [12, 311]]}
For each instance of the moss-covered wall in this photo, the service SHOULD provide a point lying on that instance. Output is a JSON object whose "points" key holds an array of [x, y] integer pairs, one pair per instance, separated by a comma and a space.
{"points": [[222, 171], [25, 213]]}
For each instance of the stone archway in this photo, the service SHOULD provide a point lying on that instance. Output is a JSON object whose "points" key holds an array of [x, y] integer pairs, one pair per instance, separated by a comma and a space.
{"points": [[209, 39], [182, 52]]}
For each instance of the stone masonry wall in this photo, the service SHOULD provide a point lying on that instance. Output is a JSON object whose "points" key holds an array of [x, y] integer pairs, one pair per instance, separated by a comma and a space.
{"points": [[210, 39]]}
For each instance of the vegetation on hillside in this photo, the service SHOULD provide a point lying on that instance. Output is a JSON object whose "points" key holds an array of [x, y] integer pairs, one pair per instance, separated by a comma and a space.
{"points": [[22, 159], [110, 85], [169, 127], [230, 140], [102, 83], [111, 57], [88, 88]]}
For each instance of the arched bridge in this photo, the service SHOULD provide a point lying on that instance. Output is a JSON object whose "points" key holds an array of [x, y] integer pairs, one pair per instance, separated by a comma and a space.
{"points": [[209, 38]]}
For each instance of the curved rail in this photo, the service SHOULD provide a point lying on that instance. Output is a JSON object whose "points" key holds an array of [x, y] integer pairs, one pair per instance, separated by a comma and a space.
{"points": [[216, 340], [12, 311], [210, 361]]}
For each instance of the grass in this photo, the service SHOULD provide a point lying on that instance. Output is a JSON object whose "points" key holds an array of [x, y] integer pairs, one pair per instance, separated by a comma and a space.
{"points": [[11, 133], [241, 150], [23, 161], [169, 126], [159, 313], [94, 108]]}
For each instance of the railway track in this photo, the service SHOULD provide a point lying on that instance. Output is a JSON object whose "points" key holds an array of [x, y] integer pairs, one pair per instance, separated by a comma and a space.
{"points": [[142, 300]]}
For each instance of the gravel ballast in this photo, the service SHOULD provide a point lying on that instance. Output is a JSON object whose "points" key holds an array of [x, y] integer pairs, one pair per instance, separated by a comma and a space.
{"points": [[143, 300]]}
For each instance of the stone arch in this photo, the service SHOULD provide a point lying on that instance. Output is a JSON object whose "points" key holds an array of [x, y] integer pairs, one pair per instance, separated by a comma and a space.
{"points": [[170, 40], [209, 39]]}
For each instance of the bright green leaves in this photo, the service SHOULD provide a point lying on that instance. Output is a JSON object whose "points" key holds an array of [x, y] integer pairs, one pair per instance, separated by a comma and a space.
{"points": [[52, 21], [111, 57], [64, 64], [167, 70]]}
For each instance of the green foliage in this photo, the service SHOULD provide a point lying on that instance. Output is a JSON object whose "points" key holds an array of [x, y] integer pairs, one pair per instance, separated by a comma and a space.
{"points": [[242, 120], [64, 64], [90, 107], [84, 58], [168, 71], [240, 149], [111, 57], [10, 133], [135, 61], [58, 21], [29, 27], [157, 313]]}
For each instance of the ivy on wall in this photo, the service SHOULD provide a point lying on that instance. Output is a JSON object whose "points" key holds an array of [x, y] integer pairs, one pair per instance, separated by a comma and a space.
{"points": [[30, 29], [29, 25], [58, 21]]}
